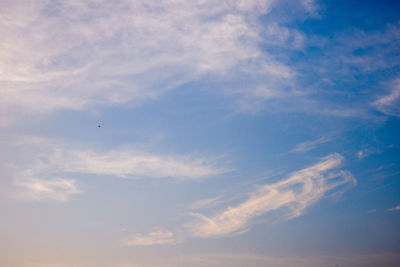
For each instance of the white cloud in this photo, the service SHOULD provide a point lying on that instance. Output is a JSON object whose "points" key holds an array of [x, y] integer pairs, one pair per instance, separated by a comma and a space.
{"points": [[43, 167], [311, 6], [351, 53], [112, 53], [367, 151], [56, 189], [292, 196], [205, 203], [286, 199], [129, 163], [395, 208], [47, 158], [361, 154], [129, 52], [310, 145], [389, 104], [158, 237]]}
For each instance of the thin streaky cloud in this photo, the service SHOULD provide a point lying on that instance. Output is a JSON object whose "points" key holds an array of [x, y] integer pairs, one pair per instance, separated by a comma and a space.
{"points": [[47, 166], [368, 151], [194, 100], [55, 157], [131, 164], [311, 7], [40, 189], [205, 203], [292, 195], [394, 208], [362, 154], [389, 104], [310, 145], [166, 44], [147, 48], [159, 237]]}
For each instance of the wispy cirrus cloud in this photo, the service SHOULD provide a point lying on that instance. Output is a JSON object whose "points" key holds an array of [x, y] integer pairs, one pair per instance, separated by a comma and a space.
{"points": [[109, 53], [362, 154], [310, 145], [57, 189], [159, 237], [390, 103], [48, 165], [367, 151], [130, 52], [205, 203], [287, 199], [291, 196], [394, 208], [311, 6], [338, 62], [54, 156]]}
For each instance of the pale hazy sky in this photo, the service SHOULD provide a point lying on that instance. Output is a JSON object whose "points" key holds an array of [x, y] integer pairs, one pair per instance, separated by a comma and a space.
{"points": [[199, 133]]}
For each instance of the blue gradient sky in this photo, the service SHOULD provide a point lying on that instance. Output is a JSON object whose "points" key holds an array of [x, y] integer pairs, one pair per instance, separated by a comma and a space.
{"points": [[233, 133]]}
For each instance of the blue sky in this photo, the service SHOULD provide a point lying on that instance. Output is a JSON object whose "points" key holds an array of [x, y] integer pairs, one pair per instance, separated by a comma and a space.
{"points": [[233, 133]]}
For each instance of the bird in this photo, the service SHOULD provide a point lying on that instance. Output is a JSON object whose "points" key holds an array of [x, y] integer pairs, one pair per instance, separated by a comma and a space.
{"points": [[99, 126]]}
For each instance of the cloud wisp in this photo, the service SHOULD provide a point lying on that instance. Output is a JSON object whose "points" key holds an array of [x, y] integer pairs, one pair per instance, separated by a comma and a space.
{"points": [[58, 157], [389, 104], [291, 196], [128, 163], [46, 175], [56, 189], [159, 237], [397, 208], [367, 152], [286, 199], [309, 145], [129, 51]]}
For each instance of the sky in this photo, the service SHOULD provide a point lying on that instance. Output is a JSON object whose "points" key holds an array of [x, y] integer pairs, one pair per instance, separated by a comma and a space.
{"points": [[199, 133]]}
